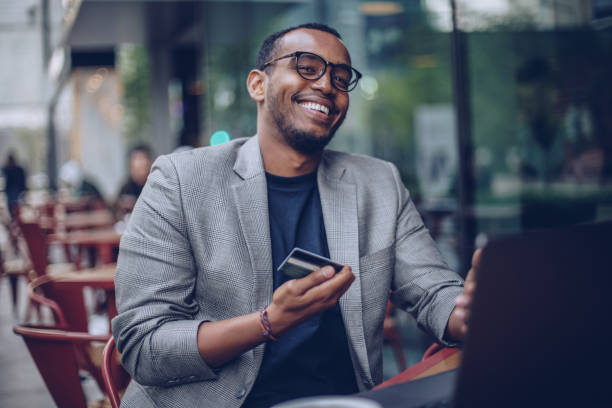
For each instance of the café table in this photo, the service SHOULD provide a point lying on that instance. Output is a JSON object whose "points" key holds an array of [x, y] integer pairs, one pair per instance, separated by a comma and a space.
{"points": [[86, 219], [105, 240], [78, 221]]}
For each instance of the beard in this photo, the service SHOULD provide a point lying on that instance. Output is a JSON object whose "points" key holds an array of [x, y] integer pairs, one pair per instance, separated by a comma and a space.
{"points": [[302, 141]]}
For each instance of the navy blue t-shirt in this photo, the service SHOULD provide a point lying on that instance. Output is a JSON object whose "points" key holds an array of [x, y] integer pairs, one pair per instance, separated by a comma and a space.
{"points": [[313, 358]]}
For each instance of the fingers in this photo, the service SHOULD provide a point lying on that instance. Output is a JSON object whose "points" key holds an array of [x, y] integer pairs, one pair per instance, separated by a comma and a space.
{"points": [[302, 285], [463, 304], [299, 299], [476, 258], [318, 288], [471, 276], [331, 290]]}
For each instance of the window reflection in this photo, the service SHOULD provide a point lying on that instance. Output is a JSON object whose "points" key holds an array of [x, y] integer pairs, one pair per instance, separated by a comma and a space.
{"points": [[538, 108]]}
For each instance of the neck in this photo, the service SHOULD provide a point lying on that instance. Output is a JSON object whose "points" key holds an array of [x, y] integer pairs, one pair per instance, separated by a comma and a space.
{"points": [[282, 160]]}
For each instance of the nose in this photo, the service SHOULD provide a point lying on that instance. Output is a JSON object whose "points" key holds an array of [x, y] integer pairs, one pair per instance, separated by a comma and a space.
{"points": [[325, 82]]}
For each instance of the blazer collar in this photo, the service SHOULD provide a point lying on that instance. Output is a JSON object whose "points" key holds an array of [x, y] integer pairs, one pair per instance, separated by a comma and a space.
{"points": [[249, 163]]}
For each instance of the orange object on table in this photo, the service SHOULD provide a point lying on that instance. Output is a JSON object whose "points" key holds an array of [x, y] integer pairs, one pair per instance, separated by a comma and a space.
{"points": [[444, 360]]}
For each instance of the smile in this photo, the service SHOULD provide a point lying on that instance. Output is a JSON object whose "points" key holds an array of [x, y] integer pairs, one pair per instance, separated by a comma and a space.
{"points": [[315, 106]]}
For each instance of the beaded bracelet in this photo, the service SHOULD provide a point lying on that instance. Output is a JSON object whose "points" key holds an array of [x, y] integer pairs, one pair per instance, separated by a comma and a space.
{"points": [[264, 324]]}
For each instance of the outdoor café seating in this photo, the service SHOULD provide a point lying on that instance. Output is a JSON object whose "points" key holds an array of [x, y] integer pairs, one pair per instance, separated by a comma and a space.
{"points": [[61, 348]]}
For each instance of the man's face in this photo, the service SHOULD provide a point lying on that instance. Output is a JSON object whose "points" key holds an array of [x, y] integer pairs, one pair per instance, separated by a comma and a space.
{"points": [[292, 104]]}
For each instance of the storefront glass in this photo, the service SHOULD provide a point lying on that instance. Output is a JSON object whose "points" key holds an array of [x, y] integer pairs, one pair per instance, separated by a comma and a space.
{"points": [[531, 75]]}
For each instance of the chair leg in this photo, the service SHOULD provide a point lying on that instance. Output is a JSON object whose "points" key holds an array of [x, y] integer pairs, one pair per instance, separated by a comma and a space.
{"points": [[13, 282]]}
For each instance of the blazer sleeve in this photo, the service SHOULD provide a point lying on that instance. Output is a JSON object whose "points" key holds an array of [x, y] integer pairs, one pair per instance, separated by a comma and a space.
{"points": [[423, 284], [155, 330]]}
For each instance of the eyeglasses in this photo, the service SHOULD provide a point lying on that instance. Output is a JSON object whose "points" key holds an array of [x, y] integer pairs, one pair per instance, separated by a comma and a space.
{"points": [[312, 67]]}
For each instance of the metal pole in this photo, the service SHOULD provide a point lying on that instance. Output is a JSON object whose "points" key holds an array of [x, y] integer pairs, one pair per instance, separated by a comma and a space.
{"points": [[51, 143], [51, 148], [461, 99]]}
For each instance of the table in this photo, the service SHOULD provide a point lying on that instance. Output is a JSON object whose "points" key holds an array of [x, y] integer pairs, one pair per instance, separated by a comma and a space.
{"points": [[79, 220], [104, 240]]}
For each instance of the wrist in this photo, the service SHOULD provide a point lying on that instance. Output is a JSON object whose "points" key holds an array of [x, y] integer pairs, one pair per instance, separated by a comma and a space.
{"points": [[265, 326]]}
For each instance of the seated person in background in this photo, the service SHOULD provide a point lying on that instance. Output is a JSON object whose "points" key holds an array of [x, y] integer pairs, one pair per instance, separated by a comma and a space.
{"points": [[556, 138], [140, 159], [557, 146], [205, 318], [72, 177]]}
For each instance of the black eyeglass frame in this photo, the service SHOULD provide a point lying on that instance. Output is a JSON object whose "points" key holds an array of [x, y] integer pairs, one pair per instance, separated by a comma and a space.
{"points": [[297, 55]]}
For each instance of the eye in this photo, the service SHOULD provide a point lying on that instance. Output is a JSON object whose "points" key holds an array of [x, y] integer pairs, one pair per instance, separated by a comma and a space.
{"points": [[342, 82], [342, 77], [307, 69]]}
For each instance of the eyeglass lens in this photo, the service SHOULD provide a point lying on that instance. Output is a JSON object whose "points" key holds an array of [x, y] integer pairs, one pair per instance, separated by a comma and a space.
{"points": [[311, 66]]}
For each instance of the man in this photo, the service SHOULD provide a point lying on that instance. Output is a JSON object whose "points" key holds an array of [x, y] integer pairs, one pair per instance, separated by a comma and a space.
{"points": [[204, 319], [14, 183]]}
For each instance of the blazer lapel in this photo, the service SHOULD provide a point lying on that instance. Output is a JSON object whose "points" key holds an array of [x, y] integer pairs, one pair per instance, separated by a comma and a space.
{"points": [[251, 200], [339, 205]]}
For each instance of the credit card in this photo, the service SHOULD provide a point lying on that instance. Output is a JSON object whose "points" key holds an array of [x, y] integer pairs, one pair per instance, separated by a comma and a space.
{"points": [[300, 263]]}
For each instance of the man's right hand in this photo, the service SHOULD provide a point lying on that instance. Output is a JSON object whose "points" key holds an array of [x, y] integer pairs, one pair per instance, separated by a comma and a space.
{"points": [[298, 299]]}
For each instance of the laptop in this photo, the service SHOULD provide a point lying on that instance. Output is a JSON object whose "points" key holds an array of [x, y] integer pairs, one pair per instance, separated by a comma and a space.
{"points": [[539, 329]]}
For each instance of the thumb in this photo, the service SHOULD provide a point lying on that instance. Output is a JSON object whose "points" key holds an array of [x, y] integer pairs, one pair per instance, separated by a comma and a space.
{"points": [[471, 276]]}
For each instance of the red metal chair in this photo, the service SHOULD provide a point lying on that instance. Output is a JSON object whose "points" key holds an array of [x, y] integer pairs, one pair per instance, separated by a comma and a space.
{"points": [[115, 377], [70, 316], [13, 269], [36, 241], [14, 259], [69, 310], [55, 353]]}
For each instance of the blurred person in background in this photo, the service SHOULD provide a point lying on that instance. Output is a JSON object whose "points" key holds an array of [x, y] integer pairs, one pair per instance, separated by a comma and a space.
{"points": [[72, 176], [557, 148], [140, 160], [14, 182], [556, 139]]}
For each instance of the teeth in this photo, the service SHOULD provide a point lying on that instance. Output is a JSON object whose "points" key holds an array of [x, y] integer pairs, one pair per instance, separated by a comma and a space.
{"points": [[315, 106]]}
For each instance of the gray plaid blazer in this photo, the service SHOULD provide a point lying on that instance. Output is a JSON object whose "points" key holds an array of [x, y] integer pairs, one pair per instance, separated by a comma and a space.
{"points": [[197, 248]]}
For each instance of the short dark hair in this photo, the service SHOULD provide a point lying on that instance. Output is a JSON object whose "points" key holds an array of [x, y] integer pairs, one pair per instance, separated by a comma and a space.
{"points": [[141, 148], [270, 44]]}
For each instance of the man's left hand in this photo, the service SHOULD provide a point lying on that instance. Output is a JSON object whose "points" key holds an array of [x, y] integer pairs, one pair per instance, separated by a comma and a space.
{"points": [[458, 321]]}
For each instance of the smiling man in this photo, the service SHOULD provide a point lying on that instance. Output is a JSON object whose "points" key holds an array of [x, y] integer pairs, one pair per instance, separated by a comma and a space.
{"points": [[205, 318]]}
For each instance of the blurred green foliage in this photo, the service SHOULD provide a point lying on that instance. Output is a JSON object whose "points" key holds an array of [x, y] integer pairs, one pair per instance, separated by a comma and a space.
{"points": [[134, 72]]}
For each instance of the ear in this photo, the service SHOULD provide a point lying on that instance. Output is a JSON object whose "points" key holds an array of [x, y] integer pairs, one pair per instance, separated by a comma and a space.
{"points": [[256, 85]]}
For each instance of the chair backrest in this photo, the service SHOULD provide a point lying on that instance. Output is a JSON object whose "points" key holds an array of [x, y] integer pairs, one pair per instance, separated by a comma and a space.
{"points": [[68, 305], [114, 375], [35, 239], [55, 355]]}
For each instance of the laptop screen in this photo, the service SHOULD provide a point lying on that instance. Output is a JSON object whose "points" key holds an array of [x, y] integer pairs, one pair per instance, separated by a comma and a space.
{"points": [[539, 323]]}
